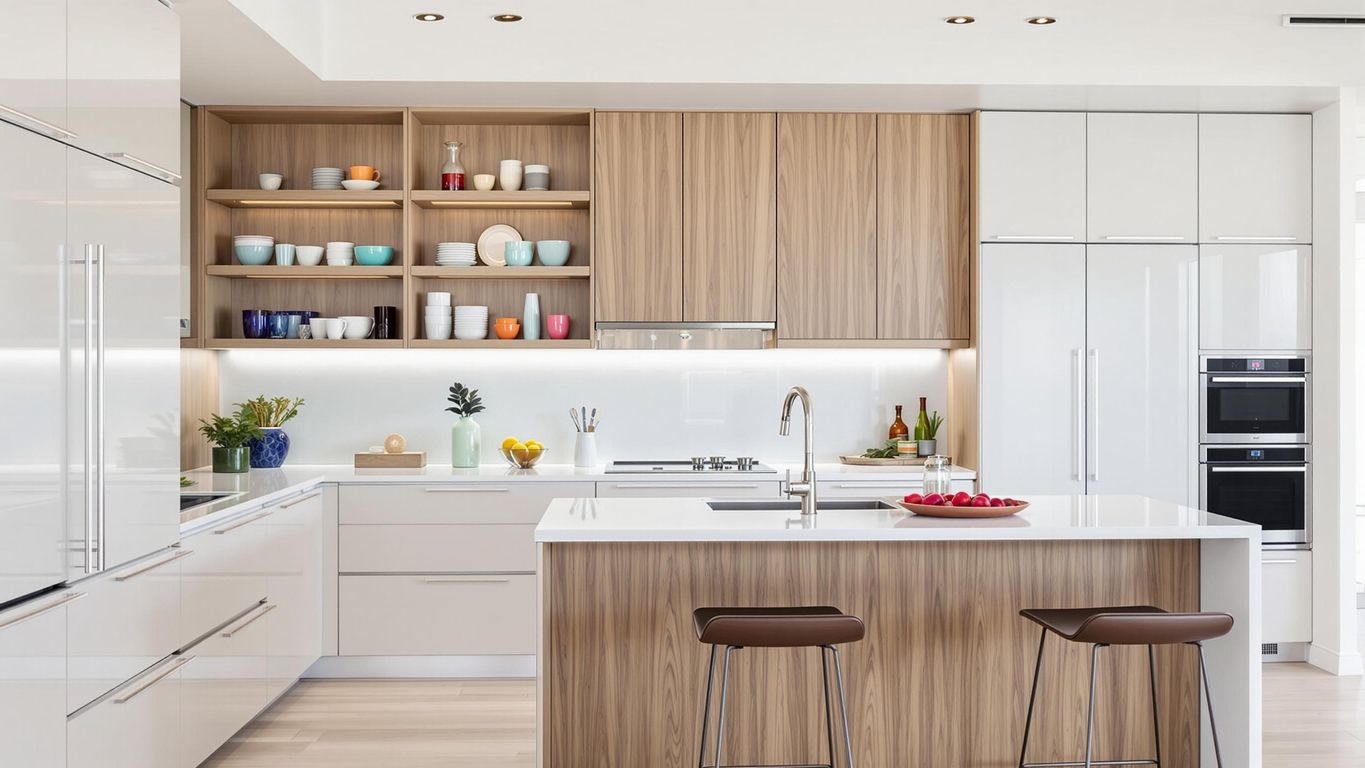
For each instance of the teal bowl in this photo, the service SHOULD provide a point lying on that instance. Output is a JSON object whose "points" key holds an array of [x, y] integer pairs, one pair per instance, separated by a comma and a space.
{"points": [[553, 253], [373, 255], [254, 255]]}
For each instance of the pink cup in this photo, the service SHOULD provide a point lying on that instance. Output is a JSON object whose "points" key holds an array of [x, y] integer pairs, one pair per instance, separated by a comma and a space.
{"points": [[557, 326]]}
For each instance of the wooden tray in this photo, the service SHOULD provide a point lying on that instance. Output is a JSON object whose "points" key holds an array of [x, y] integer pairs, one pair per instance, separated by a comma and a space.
{"points": [[930, 510], [405, 460], [903, 461]]}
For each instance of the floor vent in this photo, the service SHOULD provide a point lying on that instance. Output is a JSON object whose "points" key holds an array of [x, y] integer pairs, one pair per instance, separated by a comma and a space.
{"points": [[1296, 20], [1270, 649]]}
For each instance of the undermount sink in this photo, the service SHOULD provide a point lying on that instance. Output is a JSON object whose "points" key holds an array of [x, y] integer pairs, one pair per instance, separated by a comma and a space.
{"points": [[199, 498], [794, 505]]}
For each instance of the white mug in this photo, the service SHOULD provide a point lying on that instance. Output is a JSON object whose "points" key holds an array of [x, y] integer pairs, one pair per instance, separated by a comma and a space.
{"points": [[317, 326], [510, 177], [357, 326], [336, 327]]}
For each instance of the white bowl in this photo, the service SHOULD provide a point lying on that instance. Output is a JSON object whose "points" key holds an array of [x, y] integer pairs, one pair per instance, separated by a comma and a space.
{"points": [[438, 298], [363, 185], [308, 255]]}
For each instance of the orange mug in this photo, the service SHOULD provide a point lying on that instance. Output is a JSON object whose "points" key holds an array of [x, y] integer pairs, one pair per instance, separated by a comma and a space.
{"points": [[364, 173]]}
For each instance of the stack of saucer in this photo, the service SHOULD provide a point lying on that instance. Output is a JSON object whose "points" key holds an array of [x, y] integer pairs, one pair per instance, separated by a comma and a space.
{"points": [[437, 321], [471, 322], [340, 254], [454, 254], [328, 178]]}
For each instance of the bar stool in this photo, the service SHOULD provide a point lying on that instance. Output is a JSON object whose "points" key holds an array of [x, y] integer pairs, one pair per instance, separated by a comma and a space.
{"points": [[1124, 625], [807, 627]]}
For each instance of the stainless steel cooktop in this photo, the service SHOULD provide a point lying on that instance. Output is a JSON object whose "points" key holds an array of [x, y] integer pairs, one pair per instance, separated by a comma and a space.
{"points": [[695, 465]]}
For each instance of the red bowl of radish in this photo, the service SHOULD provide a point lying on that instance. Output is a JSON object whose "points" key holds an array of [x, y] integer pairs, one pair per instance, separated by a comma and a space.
{"points": [[962, 504]]}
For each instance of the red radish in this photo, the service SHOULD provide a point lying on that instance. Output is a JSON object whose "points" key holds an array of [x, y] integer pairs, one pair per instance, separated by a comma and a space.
{"points": [[985, 496], [933, 499], [997, 502], [914, 498], [962, 499], [981, 501]]}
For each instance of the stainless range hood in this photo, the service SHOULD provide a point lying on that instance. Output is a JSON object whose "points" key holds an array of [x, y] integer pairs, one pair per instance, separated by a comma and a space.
{"points": [[685, 335]]}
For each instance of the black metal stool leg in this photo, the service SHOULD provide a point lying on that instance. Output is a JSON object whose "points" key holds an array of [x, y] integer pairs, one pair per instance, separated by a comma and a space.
{"points": [[1208, 698], [1033, 696], [1156, 720], [1090, 720], [829, 709], [706, 709], [843, 705], [720, 723]]}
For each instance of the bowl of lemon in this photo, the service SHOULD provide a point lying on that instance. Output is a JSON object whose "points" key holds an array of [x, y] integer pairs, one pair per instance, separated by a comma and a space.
{"points": [[522, 455]]}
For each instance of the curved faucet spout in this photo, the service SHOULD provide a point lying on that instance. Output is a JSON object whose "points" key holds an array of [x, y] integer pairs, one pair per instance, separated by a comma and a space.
{"points": [[806, 487]]}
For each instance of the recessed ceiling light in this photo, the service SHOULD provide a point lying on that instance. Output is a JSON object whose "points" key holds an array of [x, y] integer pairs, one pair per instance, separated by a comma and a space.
{"points": [[507, 17], [429, 17], [960, 19], [1041, 21]]}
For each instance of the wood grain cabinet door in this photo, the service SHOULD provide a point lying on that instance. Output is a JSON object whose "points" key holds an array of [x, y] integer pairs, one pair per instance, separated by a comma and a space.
{"points": [[730, 217], [923, 227], [638, 266], [826, 226]]}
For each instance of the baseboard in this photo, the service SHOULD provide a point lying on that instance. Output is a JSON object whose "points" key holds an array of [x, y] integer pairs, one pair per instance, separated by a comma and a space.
{"points": [[334, 667], [1341, 664]]}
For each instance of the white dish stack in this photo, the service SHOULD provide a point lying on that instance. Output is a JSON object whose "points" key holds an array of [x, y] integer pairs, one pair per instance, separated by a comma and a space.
{"points": [[437, 323], [455, 254], [471, 323], [340, 254], [328, 178]]}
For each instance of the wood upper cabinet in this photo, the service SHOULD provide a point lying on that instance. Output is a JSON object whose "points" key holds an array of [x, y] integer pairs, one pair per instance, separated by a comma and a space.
{"points": [[638, 254], [826, 226], [924, 244], [730, 216]]}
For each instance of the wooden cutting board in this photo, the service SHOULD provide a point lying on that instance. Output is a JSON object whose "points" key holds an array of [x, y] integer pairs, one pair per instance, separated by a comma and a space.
{"points": [[404, 460]]}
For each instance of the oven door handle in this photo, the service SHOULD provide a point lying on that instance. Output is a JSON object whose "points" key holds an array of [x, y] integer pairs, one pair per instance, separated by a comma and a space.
{"points": [[1258, 379], [1300, 470]]}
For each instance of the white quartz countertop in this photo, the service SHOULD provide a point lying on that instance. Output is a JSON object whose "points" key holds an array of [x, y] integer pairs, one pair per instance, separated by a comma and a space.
{"points": [[1048, 518]]}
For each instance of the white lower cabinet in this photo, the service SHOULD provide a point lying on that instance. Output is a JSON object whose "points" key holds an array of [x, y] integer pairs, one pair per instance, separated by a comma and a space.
{"points": [[438, 615], [864, 489], [294, 585], [135, 726], [33, 682], [226, 574], [1286, 596], [658, 489], [227, 683]]}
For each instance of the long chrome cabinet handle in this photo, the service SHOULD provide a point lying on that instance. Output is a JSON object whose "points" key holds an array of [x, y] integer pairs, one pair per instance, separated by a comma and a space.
{"points": [[1094, 448], [69, 597], [1034, 237], [162, 171], [240, 523], [134, 693], [1146, 238], [1258, 379], [462, 489], [153, 566], [88, 374], [1079, 364], [268, 607], [300, 500], [1252, 238], [42, 126], [99, 421], [466, 580], [867, 486], [1285, 561], [682, 486], [1292, 470]]}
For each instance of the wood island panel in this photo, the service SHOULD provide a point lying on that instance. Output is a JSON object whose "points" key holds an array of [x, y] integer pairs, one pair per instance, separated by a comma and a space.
{"points": [[942, 678]]}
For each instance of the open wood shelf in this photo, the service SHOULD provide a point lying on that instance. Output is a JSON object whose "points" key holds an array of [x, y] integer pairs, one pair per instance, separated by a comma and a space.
{"points": [[304, 343], [502, 273], [426, 198], [297, 272], [500, 344], [306, 198]]}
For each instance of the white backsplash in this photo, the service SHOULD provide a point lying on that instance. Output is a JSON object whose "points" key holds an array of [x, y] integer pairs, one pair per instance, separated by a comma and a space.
{"points": [[652, 405]]}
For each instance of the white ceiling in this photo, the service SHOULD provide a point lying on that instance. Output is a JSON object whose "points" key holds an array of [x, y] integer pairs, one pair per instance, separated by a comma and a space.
{"points": [[855, 54]]}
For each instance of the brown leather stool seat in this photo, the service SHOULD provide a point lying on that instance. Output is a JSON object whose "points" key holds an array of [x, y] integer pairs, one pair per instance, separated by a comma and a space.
{"points": [[1130, 625], [802, 627]]}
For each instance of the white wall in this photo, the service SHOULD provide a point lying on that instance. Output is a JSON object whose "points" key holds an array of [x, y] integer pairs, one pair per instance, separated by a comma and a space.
{"points": [[652, 405]]}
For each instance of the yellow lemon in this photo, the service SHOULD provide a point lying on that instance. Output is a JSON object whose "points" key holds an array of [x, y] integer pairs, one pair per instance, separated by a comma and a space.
{"points": [[534, 449], [508, 442], [517, 446], [534, 444]]}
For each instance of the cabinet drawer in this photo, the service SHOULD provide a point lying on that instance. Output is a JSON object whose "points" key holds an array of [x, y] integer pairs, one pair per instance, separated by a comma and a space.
{"points": [[33, 681], [835, 489], [437, 615], [458, 503], [437, 548], [136, 727], [1286, 597], [226, 683], [126, 623], [642, 490], [227, 574]]}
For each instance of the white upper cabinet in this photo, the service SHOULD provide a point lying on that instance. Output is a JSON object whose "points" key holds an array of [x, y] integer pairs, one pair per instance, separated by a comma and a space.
{"points": [[1255, 297], [1032, 176], [1255, 178], [1142, 175], [123, 65], [33, 65]]}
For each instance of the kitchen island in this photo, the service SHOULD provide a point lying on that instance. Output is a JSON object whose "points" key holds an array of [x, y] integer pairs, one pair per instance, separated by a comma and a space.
{"points": [[942, 678]]}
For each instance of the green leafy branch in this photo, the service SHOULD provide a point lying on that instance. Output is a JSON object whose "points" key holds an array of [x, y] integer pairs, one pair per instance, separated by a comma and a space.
{"points": [[465, 401]]}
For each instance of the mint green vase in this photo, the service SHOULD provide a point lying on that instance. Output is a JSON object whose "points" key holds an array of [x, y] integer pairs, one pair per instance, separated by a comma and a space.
{"points": [[464, 443]]}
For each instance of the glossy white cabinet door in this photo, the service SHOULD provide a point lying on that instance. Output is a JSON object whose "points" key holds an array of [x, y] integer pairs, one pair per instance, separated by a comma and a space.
{"points": [[124, 81], [294, 540], [33, 66], [227, 574], [1032, 176], [1032, 347], [33, 682], [1286, 596], [1255, 297], [438, 615], [137, 726], [32, 273], [131, 221], [1255, 178], [1142, 175], [1141, 330], [225, 686], [641, 489]]}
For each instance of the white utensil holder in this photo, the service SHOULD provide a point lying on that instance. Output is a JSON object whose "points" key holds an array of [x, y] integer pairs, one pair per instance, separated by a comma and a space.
{"points": [[585, 450]]}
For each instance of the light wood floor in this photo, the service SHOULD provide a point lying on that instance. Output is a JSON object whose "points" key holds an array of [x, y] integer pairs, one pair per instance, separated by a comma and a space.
{"points": [[1312, 720]]}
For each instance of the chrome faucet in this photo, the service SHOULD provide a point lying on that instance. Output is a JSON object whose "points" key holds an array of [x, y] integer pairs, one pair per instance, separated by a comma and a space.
{"points": [[805, 488]]}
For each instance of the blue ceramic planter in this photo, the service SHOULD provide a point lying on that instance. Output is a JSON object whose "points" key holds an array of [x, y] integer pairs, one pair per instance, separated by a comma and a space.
{"points": [[269, 451]]}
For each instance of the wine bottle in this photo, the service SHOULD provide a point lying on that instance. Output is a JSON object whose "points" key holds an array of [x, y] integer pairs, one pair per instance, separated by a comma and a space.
{"points": [[898, 431], [922, 422]]}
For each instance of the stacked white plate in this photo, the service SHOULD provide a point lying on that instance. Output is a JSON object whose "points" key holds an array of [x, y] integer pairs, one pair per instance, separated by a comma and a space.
{"points": [[471, 322], [437, 322], [455, 254], [253, 240], [328, 178], [340, 254]]}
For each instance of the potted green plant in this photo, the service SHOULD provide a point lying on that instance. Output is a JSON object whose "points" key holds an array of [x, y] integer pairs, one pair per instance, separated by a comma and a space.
{"points": [[928, 445], [230, 436], [464, 434], [270, 449]]}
